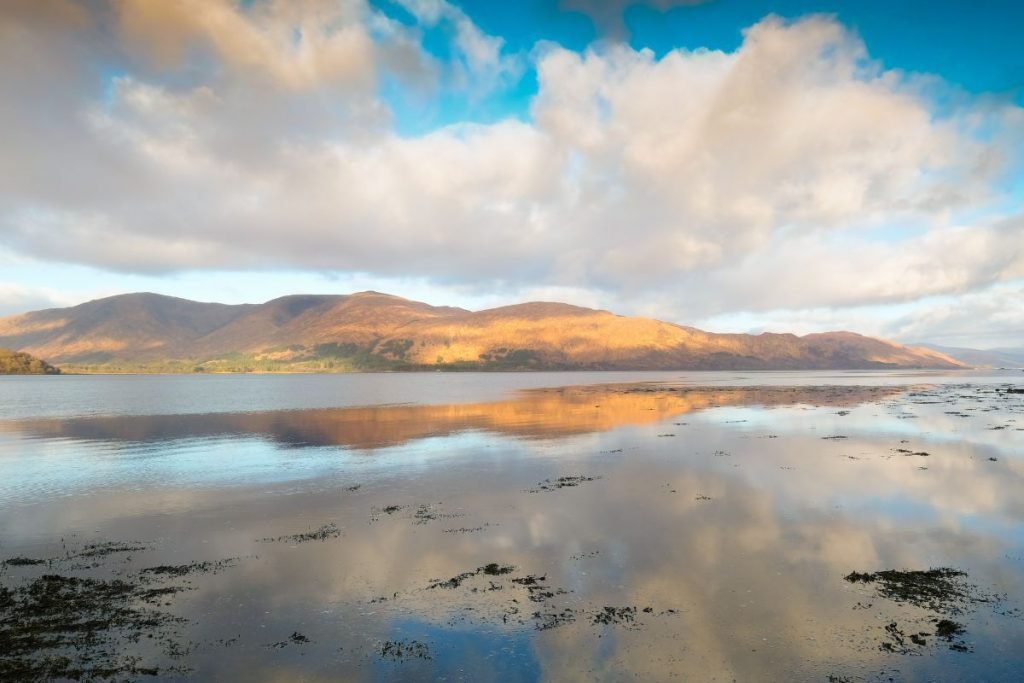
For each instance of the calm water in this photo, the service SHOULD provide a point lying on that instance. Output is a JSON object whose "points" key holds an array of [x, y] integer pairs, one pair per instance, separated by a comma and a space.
{"points": [[415, 527]]}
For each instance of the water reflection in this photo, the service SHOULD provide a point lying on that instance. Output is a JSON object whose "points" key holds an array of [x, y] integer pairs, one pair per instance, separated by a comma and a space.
{"points": [[732, 514], [531, 414]]}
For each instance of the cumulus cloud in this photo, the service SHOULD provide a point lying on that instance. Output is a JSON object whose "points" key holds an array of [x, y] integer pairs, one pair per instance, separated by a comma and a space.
{"points": [[245, 136]]}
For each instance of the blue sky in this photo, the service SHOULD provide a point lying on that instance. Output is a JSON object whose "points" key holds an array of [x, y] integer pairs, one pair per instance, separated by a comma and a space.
{"points": [[740, 166], [977, 49]]}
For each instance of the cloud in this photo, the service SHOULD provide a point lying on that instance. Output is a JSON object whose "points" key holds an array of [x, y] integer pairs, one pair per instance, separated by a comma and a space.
{"points": [[609, 15], [793, 173], [820, 270], [989, 319], [15, 298], [297, 44], [714, 156], [480, 64]]}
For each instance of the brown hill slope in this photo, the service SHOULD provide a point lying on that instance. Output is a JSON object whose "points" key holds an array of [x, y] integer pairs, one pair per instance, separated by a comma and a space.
{"points": [[305, 320], [370, 330], [134, 326]]}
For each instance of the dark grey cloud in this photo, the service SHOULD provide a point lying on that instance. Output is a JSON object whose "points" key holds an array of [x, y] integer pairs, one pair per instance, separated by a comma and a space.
{"points": [[609, 15]]}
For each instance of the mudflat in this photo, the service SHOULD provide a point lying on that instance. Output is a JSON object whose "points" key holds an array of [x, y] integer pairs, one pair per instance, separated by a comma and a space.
{"points": [[703, 526]]}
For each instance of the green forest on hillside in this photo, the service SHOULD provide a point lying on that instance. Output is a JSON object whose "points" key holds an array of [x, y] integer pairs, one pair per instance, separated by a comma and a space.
{"points": [[332, 357], [18, 363]]}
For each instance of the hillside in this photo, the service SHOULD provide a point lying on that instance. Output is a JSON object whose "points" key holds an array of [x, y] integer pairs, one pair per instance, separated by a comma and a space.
{"points": [[982, 358], [369, 330], [17, 363]]}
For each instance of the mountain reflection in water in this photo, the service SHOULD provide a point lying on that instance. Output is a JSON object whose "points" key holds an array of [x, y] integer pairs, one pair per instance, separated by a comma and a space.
{"points": [[641, 532], [540, 413]]}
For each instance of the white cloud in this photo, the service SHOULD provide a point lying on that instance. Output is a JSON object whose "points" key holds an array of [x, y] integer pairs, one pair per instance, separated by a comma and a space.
{"points": [[826, 270], [715, 155], [700, 182], [481, 65], [16, 298], [989, 319], [297, 43]]}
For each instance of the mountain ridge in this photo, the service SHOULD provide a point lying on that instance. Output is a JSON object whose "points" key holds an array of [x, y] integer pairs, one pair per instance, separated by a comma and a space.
{"points": [[373, 330], [981, 358]]}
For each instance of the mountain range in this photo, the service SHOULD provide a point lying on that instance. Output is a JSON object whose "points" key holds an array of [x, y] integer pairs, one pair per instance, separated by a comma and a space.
{"points": [[981, 358], [374, 331]]}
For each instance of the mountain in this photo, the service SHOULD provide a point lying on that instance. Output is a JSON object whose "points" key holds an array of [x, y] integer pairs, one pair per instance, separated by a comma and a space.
{"points": [[982, 358], [370, 330], [17, 363]]}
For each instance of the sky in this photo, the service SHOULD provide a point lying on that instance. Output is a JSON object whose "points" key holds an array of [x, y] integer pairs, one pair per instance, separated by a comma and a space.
{"points": [[739, 166]]}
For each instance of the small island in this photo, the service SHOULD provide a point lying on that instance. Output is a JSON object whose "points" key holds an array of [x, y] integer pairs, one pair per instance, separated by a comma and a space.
{"points": [[18, 363]]}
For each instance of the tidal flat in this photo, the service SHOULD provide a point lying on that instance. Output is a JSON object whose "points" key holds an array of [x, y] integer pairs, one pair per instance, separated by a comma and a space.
{"points": [[522, 527]]}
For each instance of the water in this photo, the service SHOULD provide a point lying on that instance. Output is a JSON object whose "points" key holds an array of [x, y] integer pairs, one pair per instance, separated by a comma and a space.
{"points": [[366, 522], [79, 395]]}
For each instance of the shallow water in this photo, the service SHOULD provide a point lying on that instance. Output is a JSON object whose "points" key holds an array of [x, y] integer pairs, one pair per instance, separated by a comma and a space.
{"points": [[381, 527]]}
